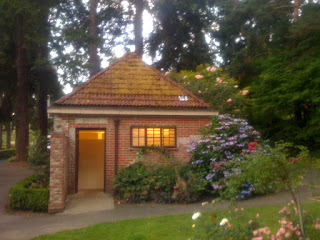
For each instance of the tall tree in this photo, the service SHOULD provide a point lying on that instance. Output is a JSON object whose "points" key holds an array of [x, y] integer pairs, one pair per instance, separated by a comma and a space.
{"points": [[138, 27], [94, 60], [22, 118], [179, 33], [8, 132]]}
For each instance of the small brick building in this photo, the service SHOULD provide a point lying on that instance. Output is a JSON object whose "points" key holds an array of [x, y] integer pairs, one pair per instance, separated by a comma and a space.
{"points": [[100, 126]]}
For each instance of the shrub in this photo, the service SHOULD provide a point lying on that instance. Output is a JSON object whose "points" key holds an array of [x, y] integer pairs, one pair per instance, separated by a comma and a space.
{"points": [[158, 183], [132, 183], [7, 153], [12, 159], [39, 159], [227, 138], [31, 194], [277, 168]]}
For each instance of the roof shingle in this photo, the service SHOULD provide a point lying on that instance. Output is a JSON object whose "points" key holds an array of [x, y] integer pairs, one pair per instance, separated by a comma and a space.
{"points": [[131, 82]]}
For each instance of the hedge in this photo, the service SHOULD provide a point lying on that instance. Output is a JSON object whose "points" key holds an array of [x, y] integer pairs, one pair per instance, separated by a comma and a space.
{"points": [[7, 153], [33, 199]]}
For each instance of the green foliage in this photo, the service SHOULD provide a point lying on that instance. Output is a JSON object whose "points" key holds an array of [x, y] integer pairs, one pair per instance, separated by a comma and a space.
{"points": [[214, 86], [233, 226], [12, 159], [179, 33], [216, 156], [31, 194], [277, 168], [7, 153], [132, 183], [158, 183], [39, 159]]}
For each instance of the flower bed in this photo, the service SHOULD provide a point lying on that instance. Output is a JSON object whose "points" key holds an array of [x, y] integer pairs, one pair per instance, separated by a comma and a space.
{"points": [[31, 194]]}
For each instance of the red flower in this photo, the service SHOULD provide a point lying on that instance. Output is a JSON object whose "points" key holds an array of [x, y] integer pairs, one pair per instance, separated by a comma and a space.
{"points": [[156, 188], [294, 160], [176, 187], [217, 166], [252, 146]]}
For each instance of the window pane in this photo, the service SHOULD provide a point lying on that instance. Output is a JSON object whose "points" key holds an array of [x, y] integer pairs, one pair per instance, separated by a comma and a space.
{"points": [[168, 137], [142, 132], [135, 132], [138, 137], [142, 141], [135, 142]]}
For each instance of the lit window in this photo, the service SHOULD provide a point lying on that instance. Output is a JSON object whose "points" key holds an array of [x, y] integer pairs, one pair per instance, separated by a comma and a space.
{"points": [[149, 136]]}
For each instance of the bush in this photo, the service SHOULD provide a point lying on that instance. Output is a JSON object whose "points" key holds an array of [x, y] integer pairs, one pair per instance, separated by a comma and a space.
{"points": [[280, 167], [158, 183], [132, 183], [226, 139], [39, 158], [31, 194], [7, 153]]}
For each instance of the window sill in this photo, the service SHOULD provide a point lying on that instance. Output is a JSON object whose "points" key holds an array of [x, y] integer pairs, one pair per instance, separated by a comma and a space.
{"points": [[137, 149]]}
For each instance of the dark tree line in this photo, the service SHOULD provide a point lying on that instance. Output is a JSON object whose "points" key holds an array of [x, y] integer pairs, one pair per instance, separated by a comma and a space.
{"points": [[256, 40]]}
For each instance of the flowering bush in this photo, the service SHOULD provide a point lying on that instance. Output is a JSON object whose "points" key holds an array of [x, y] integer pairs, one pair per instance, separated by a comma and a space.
{"points": [[226, 140], [236, 225], [214, 86], [280, 167]]}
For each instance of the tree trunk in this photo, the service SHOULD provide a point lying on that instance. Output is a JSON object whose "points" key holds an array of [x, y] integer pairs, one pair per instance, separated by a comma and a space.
{"points": [[0, 136], [138, 27], [93, 46], [22, 118], [296, 10], [43, 76], [8, 131]]}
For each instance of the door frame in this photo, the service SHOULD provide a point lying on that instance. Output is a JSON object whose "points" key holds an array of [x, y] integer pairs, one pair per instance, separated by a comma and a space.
{"points": [[104, 152]]}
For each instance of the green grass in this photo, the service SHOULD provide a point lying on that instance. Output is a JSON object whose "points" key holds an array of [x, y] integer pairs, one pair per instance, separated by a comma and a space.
{"points": [[166, 227]]}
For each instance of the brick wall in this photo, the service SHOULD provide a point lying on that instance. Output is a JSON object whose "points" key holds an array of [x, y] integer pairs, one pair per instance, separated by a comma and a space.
{"points": [[58, 172], [186, 130]]}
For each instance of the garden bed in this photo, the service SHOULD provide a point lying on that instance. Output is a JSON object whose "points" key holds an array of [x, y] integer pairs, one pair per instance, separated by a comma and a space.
{"points": [[31, 194]]}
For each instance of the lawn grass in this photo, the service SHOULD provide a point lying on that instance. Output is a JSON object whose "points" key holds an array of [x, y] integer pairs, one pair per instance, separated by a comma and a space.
{"points": [[167, 227]]}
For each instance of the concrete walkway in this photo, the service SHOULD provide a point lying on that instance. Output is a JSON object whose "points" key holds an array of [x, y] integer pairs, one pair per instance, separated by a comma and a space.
{"points": [[20, 227]]}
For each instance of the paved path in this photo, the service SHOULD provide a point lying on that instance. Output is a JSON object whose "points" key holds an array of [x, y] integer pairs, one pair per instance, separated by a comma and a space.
{"points": [[25, 227]]}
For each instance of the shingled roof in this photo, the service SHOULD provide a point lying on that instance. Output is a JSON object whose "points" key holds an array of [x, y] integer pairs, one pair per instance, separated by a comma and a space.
{"points": [[130, 82]]}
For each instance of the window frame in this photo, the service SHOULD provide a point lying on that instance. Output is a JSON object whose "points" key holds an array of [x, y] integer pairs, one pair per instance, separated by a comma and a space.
{"points": [[145, 138]]}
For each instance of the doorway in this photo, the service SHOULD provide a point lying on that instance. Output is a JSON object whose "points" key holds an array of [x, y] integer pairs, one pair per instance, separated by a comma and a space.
{"points": [[91, 160]]}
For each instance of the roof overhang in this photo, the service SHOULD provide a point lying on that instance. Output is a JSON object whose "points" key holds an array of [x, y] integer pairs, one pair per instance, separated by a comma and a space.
{"points": [[114, 111]]}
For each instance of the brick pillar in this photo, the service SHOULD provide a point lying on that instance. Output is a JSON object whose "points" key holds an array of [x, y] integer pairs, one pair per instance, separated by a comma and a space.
{"points": [[58, 172]]}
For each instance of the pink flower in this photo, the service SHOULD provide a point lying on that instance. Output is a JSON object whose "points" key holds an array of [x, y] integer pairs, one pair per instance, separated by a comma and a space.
{"points": [[236, 210], [287, 235], [199, 91], [255, 233], [282, 231], [198, 76], [298, 233], [241, 209], [236, 86], [184, 77], [229, 100], [213, 69], [208, 68], [217, 166], [250, 222], [244, 92], [294, 160], [219, 80]]}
